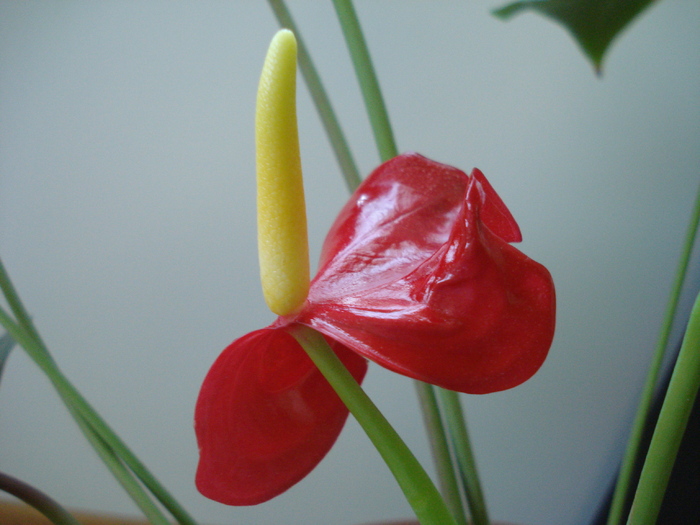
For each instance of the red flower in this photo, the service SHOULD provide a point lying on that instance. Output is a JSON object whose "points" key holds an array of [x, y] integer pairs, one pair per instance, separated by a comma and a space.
{"points": [[416, 274]]}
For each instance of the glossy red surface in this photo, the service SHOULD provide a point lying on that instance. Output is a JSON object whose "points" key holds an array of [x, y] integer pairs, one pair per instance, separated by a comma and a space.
{"points": [[418, 275], [265, 417]]}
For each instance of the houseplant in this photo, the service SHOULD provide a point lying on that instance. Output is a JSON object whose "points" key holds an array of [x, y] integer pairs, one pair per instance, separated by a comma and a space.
{"points": [[467, 160]]}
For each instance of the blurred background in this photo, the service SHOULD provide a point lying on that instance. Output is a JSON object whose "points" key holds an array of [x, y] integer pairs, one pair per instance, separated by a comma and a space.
{"points": [[127, 223]]}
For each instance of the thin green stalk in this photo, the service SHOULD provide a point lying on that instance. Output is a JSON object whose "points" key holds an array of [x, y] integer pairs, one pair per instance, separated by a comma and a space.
{"points": [[36, 499], [122, 474], [417, 486], [106, 453], [320, 98], [6, 346], [84, 413], [668, 434], [465, 457], [378, 115], [449, 487], [624, 480], [18, 309], [26, 335], [386, 145]]}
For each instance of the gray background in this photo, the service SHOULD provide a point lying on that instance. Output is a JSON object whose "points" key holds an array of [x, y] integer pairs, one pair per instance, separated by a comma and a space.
{"points": [[127, 222]]}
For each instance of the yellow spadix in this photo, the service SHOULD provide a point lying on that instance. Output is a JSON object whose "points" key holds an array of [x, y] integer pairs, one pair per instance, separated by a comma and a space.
{"points": [[282, 238]]}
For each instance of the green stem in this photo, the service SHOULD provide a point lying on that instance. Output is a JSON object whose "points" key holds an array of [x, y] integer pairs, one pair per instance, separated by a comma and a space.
{"points": [[668, 434], [439, 446], [36, 499], [122, 474], [624, 480], [417, 486], [378, 115], [465, 457], [85, 422], [27, 337], [386, 145], [6, 346], [320, 98]]}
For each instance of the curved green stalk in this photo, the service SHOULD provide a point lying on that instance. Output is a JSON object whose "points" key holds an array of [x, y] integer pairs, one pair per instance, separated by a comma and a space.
{"points": [[449, 487], [85, 423], [622, 487], [320, 98], [417, 486], [36, 499], [465, 457], [668, 434], [26, 335], [366, 76]]}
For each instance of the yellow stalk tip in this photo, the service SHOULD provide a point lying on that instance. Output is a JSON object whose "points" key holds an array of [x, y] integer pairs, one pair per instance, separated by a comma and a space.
{"points": [[282, 239]]}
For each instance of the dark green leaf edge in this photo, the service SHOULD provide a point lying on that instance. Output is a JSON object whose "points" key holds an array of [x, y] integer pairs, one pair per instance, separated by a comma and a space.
{"points": [[593, 24]]}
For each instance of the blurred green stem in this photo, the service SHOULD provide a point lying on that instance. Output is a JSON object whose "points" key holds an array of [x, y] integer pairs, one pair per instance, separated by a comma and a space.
{"points": [[465, 456], [85, 420], [624, 480], [386, 145], [105, 441], [320, 98], [439, 446], [367, 77], [668, 434]]}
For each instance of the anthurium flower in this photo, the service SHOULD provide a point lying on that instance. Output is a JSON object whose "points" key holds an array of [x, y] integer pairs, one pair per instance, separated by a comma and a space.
{"points": [[416, 274]]}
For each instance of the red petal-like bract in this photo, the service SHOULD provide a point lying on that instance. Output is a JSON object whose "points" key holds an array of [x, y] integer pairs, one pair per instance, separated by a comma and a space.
{"points": [[417, 274], [265, 417]]}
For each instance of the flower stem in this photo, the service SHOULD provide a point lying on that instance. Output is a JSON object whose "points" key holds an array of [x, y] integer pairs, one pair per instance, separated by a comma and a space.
{"points": [[366, 76], [321, 100], [101, 436], [6, 346], [37, 499], [668, 434], [120, 472], [386, 145], [85, 421], [624, 480], [449, 487], [465, 457], [417, 486]]}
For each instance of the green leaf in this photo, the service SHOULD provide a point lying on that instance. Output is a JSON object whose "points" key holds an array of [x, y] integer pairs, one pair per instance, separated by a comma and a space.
{"points": [[593, 23]]}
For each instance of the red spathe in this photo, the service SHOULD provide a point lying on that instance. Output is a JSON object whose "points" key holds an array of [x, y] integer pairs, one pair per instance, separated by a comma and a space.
{"points": [[418, 275]]}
